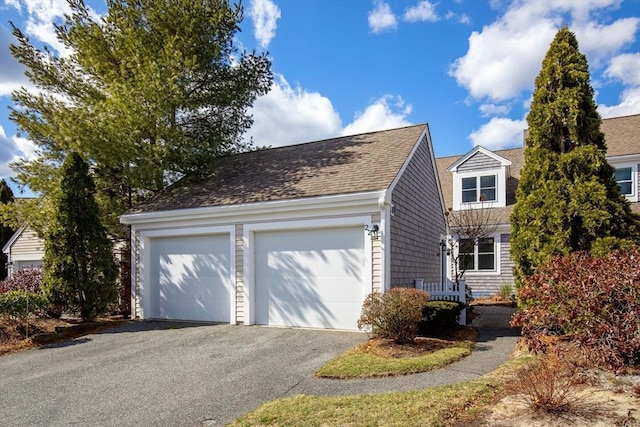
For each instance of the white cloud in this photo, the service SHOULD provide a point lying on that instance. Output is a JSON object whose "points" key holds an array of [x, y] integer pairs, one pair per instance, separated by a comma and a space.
{"points": [[8, 152], [265, 15], [499, 133], [384, 113], [503, 59], [626, 68], [494, 109], [41, 14], [381, 18], [12, 76], [464, 19], [423, 11], [12, 149], [629, 104], [289, 115], [461, 19], [600, 42]]}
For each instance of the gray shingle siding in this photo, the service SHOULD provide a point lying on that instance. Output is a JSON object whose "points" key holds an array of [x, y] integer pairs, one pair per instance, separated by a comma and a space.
{"points": [[417, 222], [479, 161], [488, 284]]}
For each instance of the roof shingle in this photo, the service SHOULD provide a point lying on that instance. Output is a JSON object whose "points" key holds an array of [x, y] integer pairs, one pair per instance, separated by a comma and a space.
{"points": [[622, 135], [350, 164]]}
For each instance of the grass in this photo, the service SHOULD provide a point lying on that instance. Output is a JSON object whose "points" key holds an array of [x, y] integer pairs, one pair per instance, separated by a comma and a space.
{"points": [[380, 358], [418, 408], [458, 404]]}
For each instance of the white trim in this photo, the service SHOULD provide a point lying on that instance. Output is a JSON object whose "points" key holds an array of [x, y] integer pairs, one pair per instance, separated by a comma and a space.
{"points": [[145, 255], [635, 176], [478, 149], [623, 158], [385, 245], [7, 246], [247, 212], [407, 160], [497, 270], [501, 188], [132, 272], [248, 240]]}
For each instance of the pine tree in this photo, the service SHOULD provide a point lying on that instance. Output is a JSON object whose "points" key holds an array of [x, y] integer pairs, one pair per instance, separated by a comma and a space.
{"points": [[567, 198], [150, 92], [6, 197], [79, 267]]}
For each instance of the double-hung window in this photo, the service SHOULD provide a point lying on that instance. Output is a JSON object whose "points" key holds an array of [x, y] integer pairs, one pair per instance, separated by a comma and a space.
{"points": [[479, 189], [624, 180], [477, 257]]}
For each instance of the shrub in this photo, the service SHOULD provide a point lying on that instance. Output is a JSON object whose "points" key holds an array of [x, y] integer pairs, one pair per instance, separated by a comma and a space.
{"points": [[548, 384], [594, 302], [438, 316], [28, 280], [20, 304], [394, 314], [506, 290]]}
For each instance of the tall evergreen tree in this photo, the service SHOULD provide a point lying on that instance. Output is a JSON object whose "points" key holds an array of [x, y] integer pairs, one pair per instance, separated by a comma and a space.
{"points": [[79, 267], [152, 91], [567, 198], [6, 231]]}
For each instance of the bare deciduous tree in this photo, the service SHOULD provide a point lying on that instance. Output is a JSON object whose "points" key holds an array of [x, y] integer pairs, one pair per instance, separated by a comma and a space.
{"points": [[469, 224]]}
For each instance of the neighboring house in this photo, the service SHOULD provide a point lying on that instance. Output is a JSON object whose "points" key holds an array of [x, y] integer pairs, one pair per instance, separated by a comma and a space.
{"points": [[283, 236], [24, 250], [495, 175]]}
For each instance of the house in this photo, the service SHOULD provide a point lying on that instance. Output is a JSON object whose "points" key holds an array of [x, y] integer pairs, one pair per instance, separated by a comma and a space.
{"points": [[291, 236], [495, 175], [23, 250]]}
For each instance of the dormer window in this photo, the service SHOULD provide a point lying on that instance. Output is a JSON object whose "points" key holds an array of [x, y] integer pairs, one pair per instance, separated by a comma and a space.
{"points": [[479, 176], [479, 189]]}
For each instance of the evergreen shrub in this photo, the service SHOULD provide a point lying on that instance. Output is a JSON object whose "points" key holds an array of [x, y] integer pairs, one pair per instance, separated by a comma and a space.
{"points": [[439, 316]]}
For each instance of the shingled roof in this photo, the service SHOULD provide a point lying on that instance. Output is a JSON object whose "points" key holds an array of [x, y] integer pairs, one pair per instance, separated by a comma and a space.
{"points": [[622, 135], [350, 164]]}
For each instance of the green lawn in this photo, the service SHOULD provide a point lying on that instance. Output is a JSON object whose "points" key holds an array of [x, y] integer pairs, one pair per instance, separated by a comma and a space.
{"points": [[429, 407], [360, 362]]}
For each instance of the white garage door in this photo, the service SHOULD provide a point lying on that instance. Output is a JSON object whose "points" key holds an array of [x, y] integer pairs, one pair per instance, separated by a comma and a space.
{"points": [[310, 278], [190, 278]]}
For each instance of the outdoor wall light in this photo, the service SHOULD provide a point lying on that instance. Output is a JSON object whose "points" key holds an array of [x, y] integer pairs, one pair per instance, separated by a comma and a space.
{"points": [[374, 231]]}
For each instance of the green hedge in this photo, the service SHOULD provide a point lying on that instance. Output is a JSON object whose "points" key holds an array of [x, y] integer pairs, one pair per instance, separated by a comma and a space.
{"points": [[438, 316], [20, 304]]}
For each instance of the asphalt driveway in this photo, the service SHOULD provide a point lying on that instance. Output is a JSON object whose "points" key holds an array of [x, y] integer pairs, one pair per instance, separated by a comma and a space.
{"points": [[177, 374], [161, 374]]}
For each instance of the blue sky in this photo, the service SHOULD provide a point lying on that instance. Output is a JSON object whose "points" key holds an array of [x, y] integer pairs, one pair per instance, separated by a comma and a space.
{"points": [[466, 67]]}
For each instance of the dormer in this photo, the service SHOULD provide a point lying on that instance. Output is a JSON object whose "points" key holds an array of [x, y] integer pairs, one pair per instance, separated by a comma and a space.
{"points": [[480, 176]]}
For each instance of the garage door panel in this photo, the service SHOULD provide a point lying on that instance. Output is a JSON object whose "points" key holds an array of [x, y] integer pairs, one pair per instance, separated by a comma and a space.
{"points": [[310, 278], [190, 278]]}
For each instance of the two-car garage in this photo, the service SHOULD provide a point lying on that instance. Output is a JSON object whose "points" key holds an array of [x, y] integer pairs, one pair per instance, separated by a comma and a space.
{"points": [[300, 277]]}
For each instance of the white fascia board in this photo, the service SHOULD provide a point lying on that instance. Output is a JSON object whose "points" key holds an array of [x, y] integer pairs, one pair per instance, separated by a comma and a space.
{"points": [[343, 203], [7, 247], [426, 136], [478, 149], [625, 158], [408, 159]]}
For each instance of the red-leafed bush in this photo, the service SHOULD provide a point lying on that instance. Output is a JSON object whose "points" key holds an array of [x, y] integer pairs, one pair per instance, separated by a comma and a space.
{"points": [[594, 302], [394, 314], [27, 280]]}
